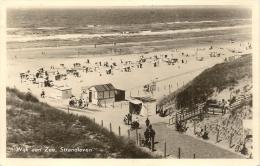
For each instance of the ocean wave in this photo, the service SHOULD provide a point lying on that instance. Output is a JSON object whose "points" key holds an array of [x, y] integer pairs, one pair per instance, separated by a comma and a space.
{"points": [[92, 25], [206, 21], [50, 28], [27, 38], [39, 28]]}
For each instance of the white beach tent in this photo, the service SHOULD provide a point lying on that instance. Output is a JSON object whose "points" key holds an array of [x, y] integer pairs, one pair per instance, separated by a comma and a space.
{"points": [[137, 106]]}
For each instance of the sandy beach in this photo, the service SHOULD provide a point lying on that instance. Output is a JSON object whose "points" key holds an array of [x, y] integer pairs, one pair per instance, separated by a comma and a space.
{"points": [[168, 77]]}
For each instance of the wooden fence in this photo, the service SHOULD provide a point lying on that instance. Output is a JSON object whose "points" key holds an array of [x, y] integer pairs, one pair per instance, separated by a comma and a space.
{"points": [[241, 100]]}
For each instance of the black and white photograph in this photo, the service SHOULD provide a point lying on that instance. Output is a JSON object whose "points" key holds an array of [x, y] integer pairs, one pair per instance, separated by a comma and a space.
{"points": [[130, 82]]}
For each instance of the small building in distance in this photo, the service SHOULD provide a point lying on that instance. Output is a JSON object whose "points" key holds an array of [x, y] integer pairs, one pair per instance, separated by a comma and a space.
{"points": [[62, 92], [102, 94]]}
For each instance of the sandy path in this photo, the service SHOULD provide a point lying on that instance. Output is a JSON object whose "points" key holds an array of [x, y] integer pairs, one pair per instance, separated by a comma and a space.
{"points": [[188, 144], [174, 140]]}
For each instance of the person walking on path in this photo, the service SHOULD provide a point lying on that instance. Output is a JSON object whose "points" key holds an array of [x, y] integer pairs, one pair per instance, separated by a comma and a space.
{"points": [[129, 118], [147, 122], [147, 137], [152, 135]]}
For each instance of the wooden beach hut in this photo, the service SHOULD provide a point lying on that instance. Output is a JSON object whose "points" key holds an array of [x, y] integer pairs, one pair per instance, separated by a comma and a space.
{"points": [[100, 94], [62, 92]]}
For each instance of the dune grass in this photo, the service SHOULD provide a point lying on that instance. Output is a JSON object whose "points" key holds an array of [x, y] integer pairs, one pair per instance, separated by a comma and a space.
{"points": [[35, 125], [219, 77]]}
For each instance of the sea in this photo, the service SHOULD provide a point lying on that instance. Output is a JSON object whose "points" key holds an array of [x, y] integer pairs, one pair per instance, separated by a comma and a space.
{"points": [[70, 24]]}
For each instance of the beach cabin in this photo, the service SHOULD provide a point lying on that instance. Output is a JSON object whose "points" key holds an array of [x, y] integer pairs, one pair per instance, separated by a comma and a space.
{"points": [[62, 92], [87, 94], [40, 82], [23, 75], [143, 106], [76, 65], [150, 87], [71, 71], [135, 106], [101, 94]]}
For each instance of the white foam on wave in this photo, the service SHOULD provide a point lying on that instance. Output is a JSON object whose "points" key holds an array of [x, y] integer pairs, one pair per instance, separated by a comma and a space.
{"points": [[40, 28], [26, 38], [206, 21], [50, 28]]}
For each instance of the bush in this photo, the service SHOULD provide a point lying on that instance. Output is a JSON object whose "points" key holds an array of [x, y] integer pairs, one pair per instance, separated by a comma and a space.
{"points": [[21, 95], [30, 97]]}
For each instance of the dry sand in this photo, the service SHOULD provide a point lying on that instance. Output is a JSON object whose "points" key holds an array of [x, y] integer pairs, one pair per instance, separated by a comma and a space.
{"points": [[174, 75]]}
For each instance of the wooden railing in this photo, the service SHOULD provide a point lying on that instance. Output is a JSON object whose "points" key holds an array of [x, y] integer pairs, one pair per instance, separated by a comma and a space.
{"points": [[241, 100], [182, 116]]}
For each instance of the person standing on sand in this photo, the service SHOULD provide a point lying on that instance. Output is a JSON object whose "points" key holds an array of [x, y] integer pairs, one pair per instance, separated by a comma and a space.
{"points": [[147, 137]]}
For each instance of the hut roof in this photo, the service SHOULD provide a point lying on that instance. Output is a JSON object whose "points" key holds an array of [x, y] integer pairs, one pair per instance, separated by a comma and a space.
{"points": [[145, 99], [62, 88], [104, 87]]}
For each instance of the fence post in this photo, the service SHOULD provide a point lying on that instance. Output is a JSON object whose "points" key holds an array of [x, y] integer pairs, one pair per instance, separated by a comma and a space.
{"points": [[110, 127], [179, 153], [128, 133], [68, 109], [165, 149], [217, 135], [230, 141], [194, 156], [194, 127], [102, 123], [119, 131], [136, 133], [140, 142]]}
